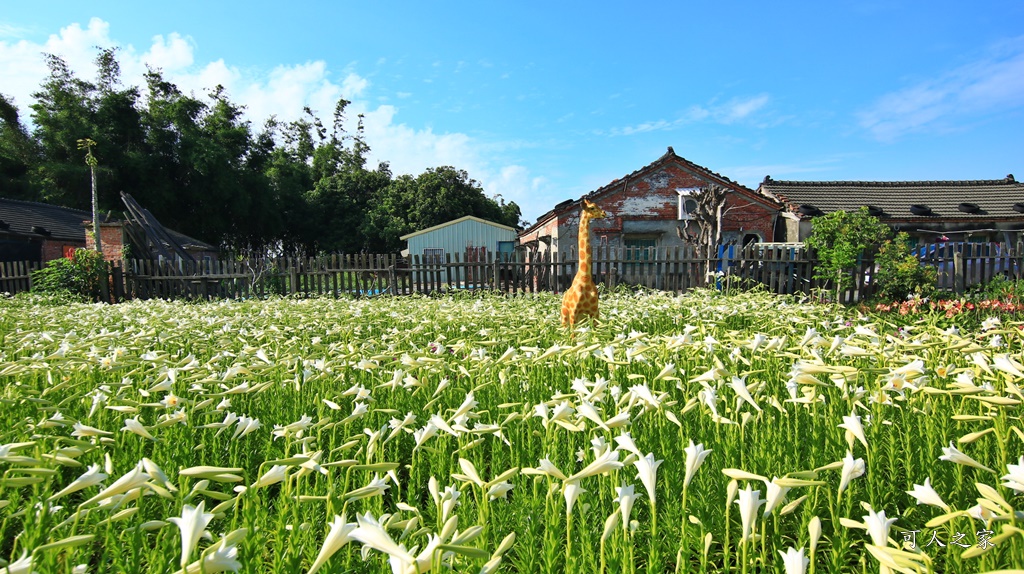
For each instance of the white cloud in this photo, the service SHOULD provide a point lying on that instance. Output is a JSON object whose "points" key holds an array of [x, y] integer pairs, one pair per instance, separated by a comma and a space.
{"points": [[993, 83], [11, 31], [735, 110], [174, 53], [738, 109], [282, 91]]}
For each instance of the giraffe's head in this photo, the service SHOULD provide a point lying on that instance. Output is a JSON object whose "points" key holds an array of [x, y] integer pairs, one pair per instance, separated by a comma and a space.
{"points": [[592, 211]]}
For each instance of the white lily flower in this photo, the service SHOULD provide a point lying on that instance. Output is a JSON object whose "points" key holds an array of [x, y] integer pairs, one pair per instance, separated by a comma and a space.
{"points": [[449, 498], [224, 557], [571, 491], [775, 495], [644, 394], [376, 487], [854, 429], [878, 527], [133, 425], [603, 464], [609, 525], [925, 494], [547, 467], [192, 523], [337, 537], [1004, 363], [749, 502], [358, 410], [22, 565], [952, 454], [647, 471], [814, 531], [562, 412], [276, 474], [739, 385], [626, 497], [695, 455], [133, 479], [625, 442], [852, 468], [794, 561], [424, 434], [709, 396], [499, 490], [466, 407], [372, 534], [91, 477], [1015, 478], [88, 431], [757, 341]]}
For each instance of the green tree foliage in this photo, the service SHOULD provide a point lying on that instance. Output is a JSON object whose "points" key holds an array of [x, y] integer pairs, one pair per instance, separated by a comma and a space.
{"points": [[900, 273], [201, 168], [18, 153], [840, 239], [81, 276]]}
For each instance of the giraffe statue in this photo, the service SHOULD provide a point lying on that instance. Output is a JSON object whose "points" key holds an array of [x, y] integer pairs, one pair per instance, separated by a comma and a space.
{"points": [[580, 300]]}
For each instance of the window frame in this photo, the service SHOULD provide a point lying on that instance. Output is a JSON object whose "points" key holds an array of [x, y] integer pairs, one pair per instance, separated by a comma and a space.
{"points": [[685, 194]]}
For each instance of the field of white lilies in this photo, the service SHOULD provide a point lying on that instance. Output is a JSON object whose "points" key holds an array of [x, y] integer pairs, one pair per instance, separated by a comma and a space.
{"points": [[710, 433]]}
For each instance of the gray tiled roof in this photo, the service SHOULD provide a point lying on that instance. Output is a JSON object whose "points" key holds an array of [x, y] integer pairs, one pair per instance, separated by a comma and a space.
{"points": [[61, 222], [995, 198]]}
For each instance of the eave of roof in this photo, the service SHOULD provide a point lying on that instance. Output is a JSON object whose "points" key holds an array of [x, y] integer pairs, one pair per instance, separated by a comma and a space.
{"points": [[453, 222]]}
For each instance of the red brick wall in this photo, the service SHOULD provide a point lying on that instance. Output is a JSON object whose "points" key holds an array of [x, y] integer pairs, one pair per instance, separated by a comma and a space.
{"points": [[654, 198], [748, 216], [111, 239], [54, 248]]}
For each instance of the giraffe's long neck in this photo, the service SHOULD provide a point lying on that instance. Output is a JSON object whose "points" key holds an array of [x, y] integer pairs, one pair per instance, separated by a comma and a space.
{"points": [[584, 238]]}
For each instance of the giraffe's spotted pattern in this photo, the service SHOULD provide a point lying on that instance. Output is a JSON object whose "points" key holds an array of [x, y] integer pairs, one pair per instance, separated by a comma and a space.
{"points": [[580, 300]]}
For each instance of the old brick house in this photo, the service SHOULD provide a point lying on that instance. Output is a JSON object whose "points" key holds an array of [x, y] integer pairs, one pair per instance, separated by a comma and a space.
{"points": [[651, 208]]}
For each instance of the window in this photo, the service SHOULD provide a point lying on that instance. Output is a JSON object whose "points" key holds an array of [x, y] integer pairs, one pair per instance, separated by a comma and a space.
{"points": [[687, 203], [433, 256], [639, 247]]}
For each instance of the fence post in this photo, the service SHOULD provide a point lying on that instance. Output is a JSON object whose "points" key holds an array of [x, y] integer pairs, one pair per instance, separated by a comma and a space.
{"points": [[496, 257], [958, 272]]}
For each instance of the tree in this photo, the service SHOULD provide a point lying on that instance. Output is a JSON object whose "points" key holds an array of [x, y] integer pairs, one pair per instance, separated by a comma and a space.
{"points": [[900, 273], [840, 239], [18, 154], [62, 114], [708, 215]]}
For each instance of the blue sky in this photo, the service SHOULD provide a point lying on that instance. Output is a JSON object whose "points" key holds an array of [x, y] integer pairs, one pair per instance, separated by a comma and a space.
{"points": [[542, 102]]}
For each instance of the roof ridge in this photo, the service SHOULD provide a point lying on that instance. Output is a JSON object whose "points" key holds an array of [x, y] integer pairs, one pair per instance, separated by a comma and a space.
{"points": [[768, 181]]}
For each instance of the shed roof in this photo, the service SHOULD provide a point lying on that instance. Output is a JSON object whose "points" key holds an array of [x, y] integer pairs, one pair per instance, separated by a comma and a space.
{"points": [[994, 199], [454, 222]]}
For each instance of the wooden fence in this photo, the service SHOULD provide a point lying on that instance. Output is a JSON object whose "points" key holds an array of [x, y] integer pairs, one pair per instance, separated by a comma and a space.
{"points": [[16, 276], [779, 268]]}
